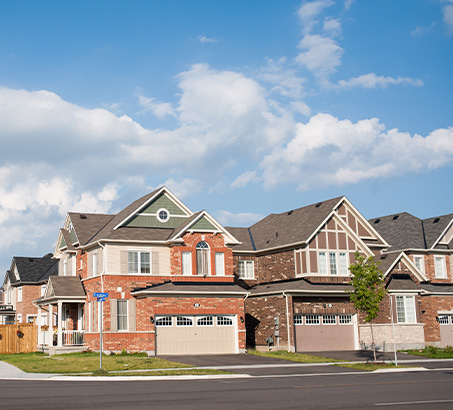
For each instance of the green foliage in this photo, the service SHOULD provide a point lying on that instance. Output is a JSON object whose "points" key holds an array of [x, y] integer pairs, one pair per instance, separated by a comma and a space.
{"points": [[368, 286]]}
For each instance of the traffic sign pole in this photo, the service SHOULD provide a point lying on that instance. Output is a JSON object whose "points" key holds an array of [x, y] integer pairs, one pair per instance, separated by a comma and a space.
{"points": [[100, 296]]}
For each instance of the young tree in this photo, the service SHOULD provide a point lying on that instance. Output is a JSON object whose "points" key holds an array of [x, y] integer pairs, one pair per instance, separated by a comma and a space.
{"points": [[368, 289]]}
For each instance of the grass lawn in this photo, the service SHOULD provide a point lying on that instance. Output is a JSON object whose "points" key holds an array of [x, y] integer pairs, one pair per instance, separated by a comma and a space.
{"points": [[85, 362], [369, 367], [294, 357], [433, 352]]}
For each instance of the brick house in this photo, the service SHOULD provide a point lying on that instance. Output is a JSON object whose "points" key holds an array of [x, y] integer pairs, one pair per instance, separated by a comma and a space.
{"points": [[169, 277], [295, 267], [24, 282], [428, 243]]}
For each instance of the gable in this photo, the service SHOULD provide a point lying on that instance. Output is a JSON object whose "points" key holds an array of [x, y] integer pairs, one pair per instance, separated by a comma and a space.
{"points": [[203, 224], [162, 212], [62, 243]]}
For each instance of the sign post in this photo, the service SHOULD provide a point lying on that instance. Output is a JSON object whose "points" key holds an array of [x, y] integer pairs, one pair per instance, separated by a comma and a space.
{"points": [[100, 296]]}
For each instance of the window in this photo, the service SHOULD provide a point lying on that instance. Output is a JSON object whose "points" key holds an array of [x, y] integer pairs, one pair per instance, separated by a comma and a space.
{"points": [[333, 263], [420, 263], [329, 320], [163, 215], [165, 321], [405, 309], [122, 314], [246, 269], [80, 263], [440, 267], [65, 267], [184, 321], [31, 318], [444, 320], [219, 264], [336, 263], [202, 258], [139, 262], [205, 321], [345, 319], [298, 320], [43, 289], [19, 318], [95, 264], [187, 263], [322, 263], [312, 319], [19, 294], [224, 321]]}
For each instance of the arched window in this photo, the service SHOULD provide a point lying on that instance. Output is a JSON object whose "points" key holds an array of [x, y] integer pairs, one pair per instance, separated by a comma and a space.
{"points": [[202, 258]]}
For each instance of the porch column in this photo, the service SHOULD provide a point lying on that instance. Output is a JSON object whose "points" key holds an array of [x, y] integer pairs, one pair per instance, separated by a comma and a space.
{"points": [[49, 326], [60, 328], [38, 322]]}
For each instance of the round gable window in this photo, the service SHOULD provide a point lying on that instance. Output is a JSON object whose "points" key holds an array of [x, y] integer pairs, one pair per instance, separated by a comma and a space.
{"points": [[163, 215]]}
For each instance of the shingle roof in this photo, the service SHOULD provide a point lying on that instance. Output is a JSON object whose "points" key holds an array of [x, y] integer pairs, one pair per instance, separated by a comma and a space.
{"points": [[276, 230], [299, 285], [32, 269], [195, 287], [438, 288], [405, 231], [402, 282], [67, 286]]}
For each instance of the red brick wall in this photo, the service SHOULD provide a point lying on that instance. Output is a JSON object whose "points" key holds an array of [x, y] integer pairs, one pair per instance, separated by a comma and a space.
{"points": [[216, 244], [26, 307], [430, 305]]}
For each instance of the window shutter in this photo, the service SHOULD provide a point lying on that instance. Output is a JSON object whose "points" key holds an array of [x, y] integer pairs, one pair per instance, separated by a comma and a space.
{"points": [[131, 311], [124, 262], [155, 256], [113, 316]]}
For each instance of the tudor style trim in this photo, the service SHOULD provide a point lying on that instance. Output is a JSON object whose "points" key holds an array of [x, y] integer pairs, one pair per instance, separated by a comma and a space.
{"points": [[411, 265]]}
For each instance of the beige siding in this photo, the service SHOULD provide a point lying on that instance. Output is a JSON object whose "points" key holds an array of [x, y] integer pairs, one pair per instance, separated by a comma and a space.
{"points": [[114, 257], [99, 262]]}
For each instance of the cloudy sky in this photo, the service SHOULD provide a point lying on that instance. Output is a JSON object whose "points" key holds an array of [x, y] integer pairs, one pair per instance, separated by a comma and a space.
{"points": [[242, 108]]}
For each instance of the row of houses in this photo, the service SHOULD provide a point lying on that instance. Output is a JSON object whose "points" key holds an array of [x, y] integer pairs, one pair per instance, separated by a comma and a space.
{"points": [[178, 282]]}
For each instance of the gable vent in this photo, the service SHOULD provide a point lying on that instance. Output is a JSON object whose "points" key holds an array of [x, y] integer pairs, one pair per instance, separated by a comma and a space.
{"points": [[377, 221], [436, 220], [318, 204], [82, 216], [395, 217]]}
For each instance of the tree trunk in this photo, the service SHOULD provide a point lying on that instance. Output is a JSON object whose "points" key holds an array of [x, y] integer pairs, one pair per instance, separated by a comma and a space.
{"points": [[372, 342]]}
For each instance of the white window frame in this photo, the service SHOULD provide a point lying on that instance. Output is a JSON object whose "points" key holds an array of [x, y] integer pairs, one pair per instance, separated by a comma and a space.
{"points": [[224, 321], [322, 263], [164, 321], [325, 266], [243, 271], [220, 264], [440, 269], [329, 320], [31, 317], [203, 255], [186, 264], [122, 302], [205, 321], [420, 258], [345, 319], [19, 318], [298, 320], [312, 320], [65, 267], [184, 321], [444, 319], [407, 302], [139, 262], [19, 293], [160, 219], [43, 289]]}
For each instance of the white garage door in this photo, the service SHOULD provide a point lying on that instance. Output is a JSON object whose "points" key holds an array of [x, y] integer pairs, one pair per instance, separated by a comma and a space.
{"points": [[446, 330], [317, 333], [195, 334]]}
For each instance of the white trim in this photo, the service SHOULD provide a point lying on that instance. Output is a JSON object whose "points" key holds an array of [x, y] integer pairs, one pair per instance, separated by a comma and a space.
{"points": [[158, 215], [450, 224], [443, 261], [411, 265]]}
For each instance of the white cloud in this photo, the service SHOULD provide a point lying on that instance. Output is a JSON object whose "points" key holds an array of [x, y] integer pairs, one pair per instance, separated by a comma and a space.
{"points": [[159, 109], [332, 27], [184, 187], [246, 219], [244, 179], [423, 30], [204, 39], [327, 151], [309, 11], [372, 80], [448, 17], [348, 4], [320, 55]]}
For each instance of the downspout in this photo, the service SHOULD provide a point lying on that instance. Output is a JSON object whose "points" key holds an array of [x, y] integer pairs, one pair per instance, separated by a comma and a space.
{"points": [[287, 321]]}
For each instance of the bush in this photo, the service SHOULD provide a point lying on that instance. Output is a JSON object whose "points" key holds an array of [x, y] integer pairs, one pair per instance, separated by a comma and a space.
{"points": [[448, 349]]}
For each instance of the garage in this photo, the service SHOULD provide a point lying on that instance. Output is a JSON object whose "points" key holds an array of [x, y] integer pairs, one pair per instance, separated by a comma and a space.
{"points": [[317, 333], [446, 330], [213, 334]]}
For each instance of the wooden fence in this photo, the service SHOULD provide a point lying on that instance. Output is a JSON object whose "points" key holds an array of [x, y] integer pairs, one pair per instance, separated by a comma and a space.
{"points": [[19, 338]]}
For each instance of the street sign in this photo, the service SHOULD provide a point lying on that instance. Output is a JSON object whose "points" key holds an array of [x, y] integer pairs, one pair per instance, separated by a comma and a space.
{"points": [[100, 299], [100, 295]]}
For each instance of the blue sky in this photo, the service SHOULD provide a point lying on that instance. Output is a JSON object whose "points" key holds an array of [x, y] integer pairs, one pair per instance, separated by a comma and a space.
{"points": [[242, 108]]}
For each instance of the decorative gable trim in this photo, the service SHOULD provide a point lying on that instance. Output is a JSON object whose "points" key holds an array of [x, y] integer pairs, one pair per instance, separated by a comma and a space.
{"points": [[411, 265], [191, 226], [444, 234], [163, 190]]}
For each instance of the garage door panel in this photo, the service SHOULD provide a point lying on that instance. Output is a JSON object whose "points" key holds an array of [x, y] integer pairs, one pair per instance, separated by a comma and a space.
{"points": [[323, 337], [195, 339], [446, 330]]}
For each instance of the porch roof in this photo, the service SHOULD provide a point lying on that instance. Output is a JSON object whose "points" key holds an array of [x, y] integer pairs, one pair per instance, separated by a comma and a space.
{"points": [[63, 288]]}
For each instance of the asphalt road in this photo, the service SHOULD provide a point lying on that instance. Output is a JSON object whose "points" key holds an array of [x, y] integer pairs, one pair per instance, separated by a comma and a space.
{"points": [[408, 390]]}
